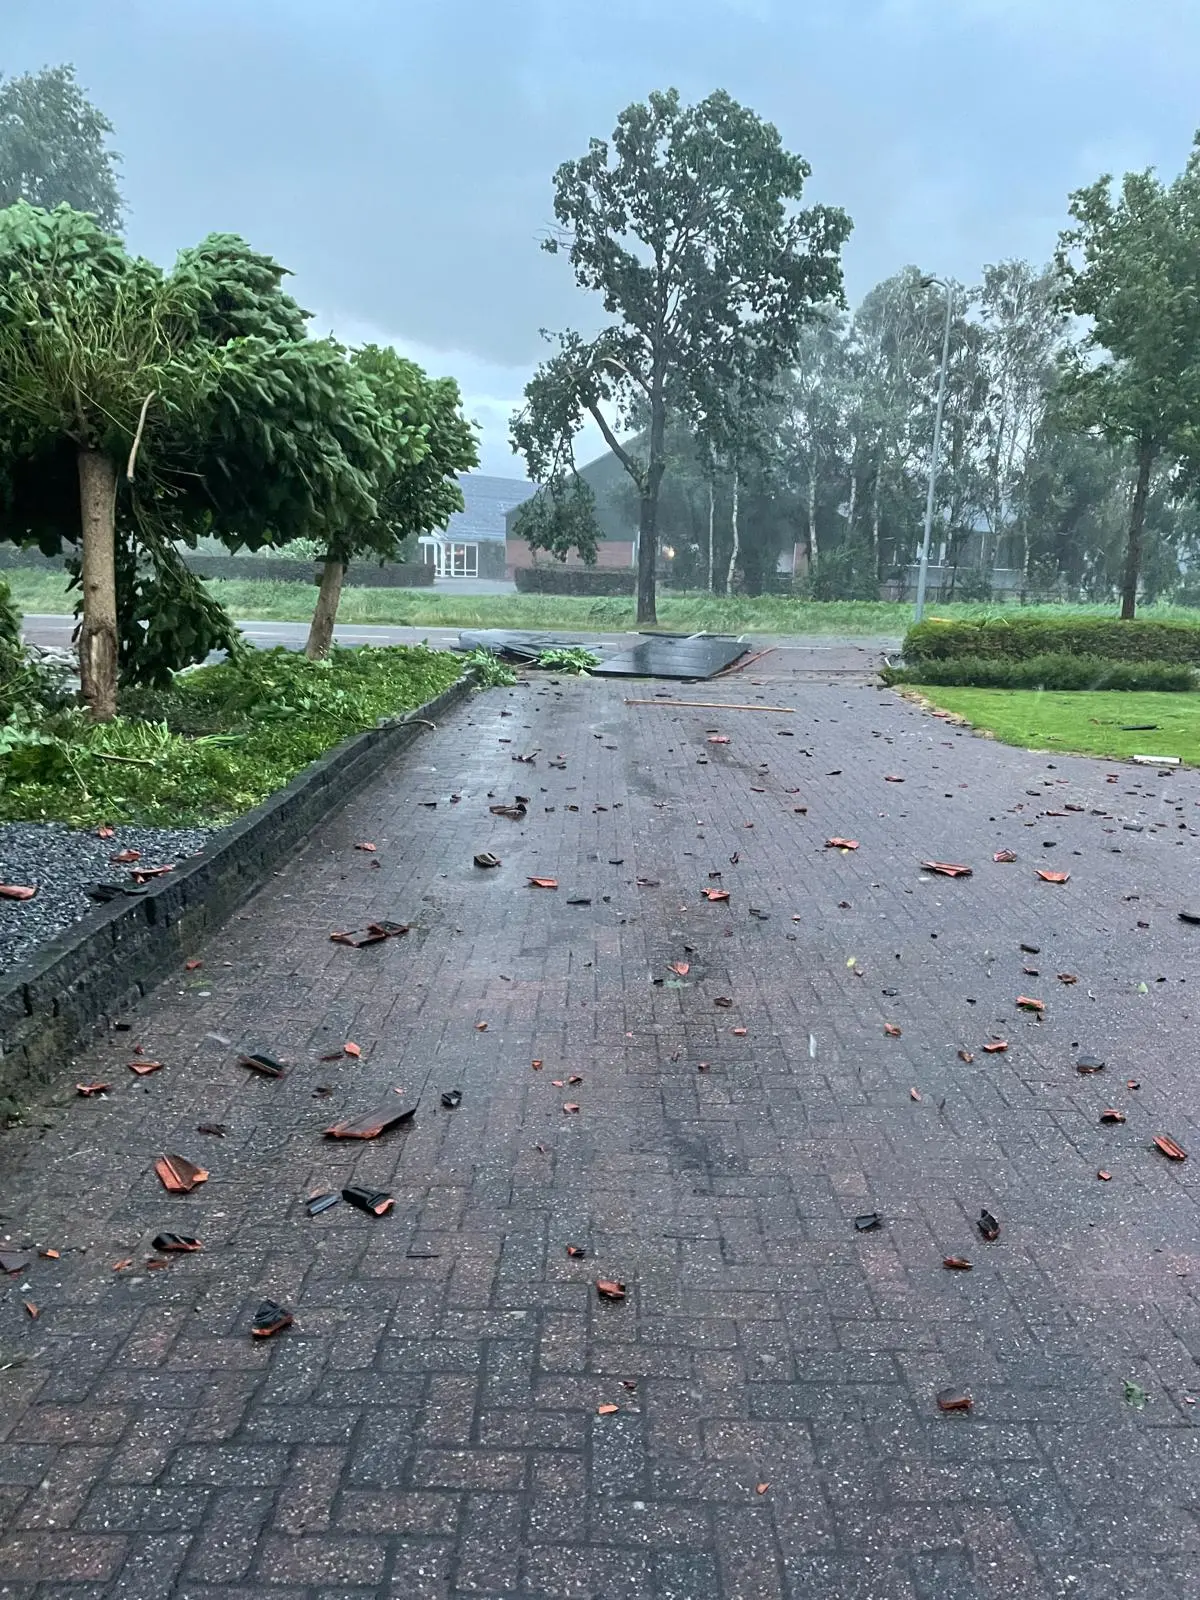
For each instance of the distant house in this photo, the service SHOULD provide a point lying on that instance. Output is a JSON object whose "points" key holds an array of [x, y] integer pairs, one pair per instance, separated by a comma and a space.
{"points": [[473, 546]]}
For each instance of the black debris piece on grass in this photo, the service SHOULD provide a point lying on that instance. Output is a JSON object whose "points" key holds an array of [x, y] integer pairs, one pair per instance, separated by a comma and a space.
{"points": [[316, 1203], [452, 1099], [269, 1319], [988, 1226], [373, 933], [266, 1066], [375, 1202], [178, 1243], [372, 1123]]}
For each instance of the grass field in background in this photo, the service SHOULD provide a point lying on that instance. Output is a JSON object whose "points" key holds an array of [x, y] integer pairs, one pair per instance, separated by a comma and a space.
{"points": [[262, 601], [1087, 723]]}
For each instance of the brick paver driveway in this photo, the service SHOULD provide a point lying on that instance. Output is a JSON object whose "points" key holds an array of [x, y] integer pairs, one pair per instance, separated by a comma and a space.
{"points": [[432, 1425]]}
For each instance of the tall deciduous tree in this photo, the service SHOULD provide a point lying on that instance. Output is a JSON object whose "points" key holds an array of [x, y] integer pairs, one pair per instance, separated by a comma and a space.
{"points": [[686, 226], [54, 147], [427, 442], [1131, 265]]}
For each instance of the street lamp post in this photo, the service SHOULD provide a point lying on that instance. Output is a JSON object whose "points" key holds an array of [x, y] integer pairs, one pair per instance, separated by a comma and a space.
{"points": [[923, 573]]}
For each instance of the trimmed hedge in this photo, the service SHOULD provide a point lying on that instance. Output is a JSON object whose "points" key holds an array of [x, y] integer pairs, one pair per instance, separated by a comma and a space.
{"points": [[1048, 672], [1025, 638], [574, 580]]}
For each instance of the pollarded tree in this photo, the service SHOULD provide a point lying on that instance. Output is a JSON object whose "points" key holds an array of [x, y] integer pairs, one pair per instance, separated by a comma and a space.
{"points": [[178, 402], [427, 442], [687, 227], [53, 147]]}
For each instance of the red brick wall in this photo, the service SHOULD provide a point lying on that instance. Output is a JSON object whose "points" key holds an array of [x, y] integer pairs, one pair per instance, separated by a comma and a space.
{"points": [[612, 553]]}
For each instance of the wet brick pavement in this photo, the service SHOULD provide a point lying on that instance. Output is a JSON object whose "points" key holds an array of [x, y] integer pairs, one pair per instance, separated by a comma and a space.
{"points": [[429, 1426]]}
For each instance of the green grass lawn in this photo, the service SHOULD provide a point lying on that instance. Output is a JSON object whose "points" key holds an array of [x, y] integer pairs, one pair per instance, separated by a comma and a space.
{"points": [[263, 601], [221, 739], [1088, 723]]}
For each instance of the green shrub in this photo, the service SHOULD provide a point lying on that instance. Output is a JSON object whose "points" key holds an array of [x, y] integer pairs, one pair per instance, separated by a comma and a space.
{"points": [[575, 580], [1048, 672], [1023, 638]]}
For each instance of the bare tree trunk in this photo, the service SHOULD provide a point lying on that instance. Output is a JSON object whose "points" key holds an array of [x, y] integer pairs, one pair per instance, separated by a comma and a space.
{"points": [[647, 606], [875, 510], [1137, 527], [853, 504], [320, 632], [812, 524], [98, 632], [712, 499], [737, 534]]}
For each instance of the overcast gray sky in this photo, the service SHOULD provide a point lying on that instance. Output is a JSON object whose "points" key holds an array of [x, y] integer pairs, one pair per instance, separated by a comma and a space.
{"points": [[397, 156]]}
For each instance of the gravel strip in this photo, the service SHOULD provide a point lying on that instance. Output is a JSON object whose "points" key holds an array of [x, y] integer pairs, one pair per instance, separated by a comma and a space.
{"points": [[62, 861]]}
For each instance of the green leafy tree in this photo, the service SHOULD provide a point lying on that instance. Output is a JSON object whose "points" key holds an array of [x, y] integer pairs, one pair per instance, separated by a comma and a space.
{"points": [[560, 518], [1131, 266], [54, 147], [686, 227], [177, 403], [427, 442]]}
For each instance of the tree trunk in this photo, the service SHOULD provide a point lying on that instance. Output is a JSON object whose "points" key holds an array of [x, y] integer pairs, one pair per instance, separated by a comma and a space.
{"points": [[647, 608], [736, 528], [853, 505], [812, 525], [875, 512], [320, 632], [98, 632], [712, 501], [1137, 526]]}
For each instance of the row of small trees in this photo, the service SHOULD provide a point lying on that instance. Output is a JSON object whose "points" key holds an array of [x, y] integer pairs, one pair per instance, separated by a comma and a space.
{"points": [[141, 409]]}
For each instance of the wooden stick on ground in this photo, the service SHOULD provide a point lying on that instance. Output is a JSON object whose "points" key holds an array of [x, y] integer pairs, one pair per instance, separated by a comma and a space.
{"points": [[737, 666], [709, 705]]}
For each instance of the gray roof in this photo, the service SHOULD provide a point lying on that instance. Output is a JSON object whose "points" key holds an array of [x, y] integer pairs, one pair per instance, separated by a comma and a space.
{"points": [[488, 501]]}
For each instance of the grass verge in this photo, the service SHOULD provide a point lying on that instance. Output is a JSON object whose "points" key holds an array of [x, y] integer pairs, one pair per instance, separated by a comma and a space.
{"points": [[263, 601], [1094, 723], [215, 744]]}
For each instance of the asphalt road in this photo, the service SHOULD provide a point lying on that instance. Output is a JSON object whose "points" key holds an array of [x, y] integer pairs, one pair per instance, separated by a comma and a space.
{"points": [[43, 629]]}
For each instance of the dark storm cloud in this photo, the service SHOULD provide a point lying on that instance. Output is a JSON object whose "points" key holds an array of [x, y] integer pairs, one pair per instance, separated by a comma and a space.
{"points": [[398, 156]]}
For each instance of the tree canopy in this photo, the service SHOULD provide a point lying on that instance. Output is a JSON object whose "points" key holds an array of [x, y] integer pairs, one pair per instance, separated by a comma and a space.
{"points": [[1131, 265], [686, 225], [141, 408], [54, 147], [415, 487]]}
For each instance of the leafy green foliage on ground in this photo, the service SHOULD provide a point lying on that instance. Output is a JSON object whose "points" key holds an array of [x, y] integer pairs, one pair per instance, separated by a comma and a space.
{"points": [[488, 671], [1088, 724], [571, 659], [215, 743], [1049, 672]]}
